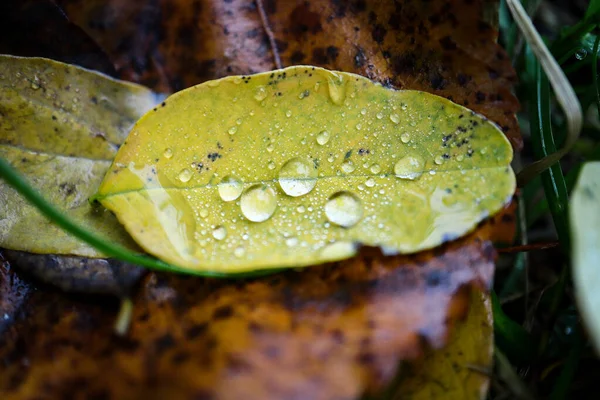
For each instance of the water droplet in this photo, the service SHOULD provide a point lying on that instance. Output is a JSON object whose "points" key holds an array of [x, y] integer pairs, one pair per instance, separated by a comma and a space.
{"points": [[483, 150], [213, 84], [405, 137], [288, 113], [270, 147], [204, 213], [168, 153], [348, 166], [337, 88], [323, 138], [301, 209], [219, 232], [343, 209], [375, 169], [258, 203], [297, 177], [238, 121], [230, 188], [379, 116], [237, 80], [35, 84], [404, 107], [395, 118], [271, 165], [239, 252], [338, 250], [370, 182], [358, 127], [331, 158], [363, 111], [185, 175], [291, 242], [409, 167], [260, 93], [460, 157], [581, 54], [439, 160], [232, 130]]}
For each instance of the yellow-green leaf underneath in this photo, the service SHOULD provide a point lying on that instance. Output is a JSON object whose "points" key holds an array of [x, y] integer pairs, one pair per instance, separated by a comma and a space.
{"points": [[585, 227], [61, 126], [299, 166]]}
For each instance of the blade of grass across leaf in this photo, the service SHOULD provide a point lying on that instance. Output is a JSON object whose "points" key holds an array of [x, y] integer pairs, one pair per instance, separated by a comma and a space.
{"points": [[13, 178]]}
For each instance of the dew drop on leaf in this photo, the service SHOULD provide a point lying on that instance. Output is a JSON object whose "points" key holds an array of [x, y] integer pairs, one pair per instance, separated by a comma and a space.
{"points": [[348, 166], [260, 93], [258, 203], [344, 209], [337, 88], [405, 137], [323, 138], [409, 167], [230, 188], [297, 177], [185, 175], [395, 118], [168, 153], [219, 233]]}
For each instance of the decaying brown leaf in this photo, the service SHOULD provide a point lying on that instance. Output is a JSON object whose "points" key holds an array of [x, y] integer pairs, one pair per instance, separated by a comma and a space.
{"points": [[447, 48], [332, 331]]}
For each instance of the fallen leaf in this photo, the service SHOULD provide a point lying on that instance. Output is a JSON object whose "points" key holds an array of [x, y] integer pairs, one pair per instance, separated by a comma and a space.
{"points": [[461, 370], [61, 127], [584, 210], [332, 331], [301, 166], [443, 47]]}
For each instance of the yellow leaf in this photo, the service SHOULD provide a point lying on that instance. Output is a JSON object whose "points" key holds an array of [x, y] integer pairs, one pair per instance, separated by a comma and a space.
{"points": [[461, 370], [585, 226], [299, 166], [61, 126]]}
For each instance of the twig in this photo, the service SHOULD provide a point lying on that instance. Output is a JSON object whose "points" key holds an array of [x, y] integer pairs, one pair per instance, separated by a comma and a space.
{"points": [[269, 32], [529, 247]]}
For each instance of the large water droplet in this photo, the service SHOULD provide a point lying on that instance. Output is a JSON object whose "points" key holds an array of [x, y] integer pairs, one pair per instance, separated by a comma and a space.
{"points": [[348, 166], [370, 182], [297, 177], [343, 209], [323, 138], [375, 169], [439, 160], [288, 113], [185, 175], [230, 188], [219, 232], [337, 88], [581, 54], [409, 167], [405, 137], [232, 130], [395, 118], [260, 93], [168, 153], [271, 165], [258, 203], [379, 115]]}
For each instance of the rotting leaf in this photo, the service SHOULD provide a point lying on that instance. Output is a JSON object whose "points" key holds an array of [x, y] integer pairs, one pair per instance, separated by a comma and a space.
{"points": [[444, 47], [584, 211], [61, 126], [333, 331], [300, 166]]}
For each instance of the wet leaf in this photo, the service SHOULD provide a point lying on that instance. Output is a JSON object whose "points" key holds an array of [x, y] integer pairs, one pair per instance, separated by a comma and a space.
{"points": [[61, 126], [584, 211], [333, 331], [299, 166], [445, 47]]}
